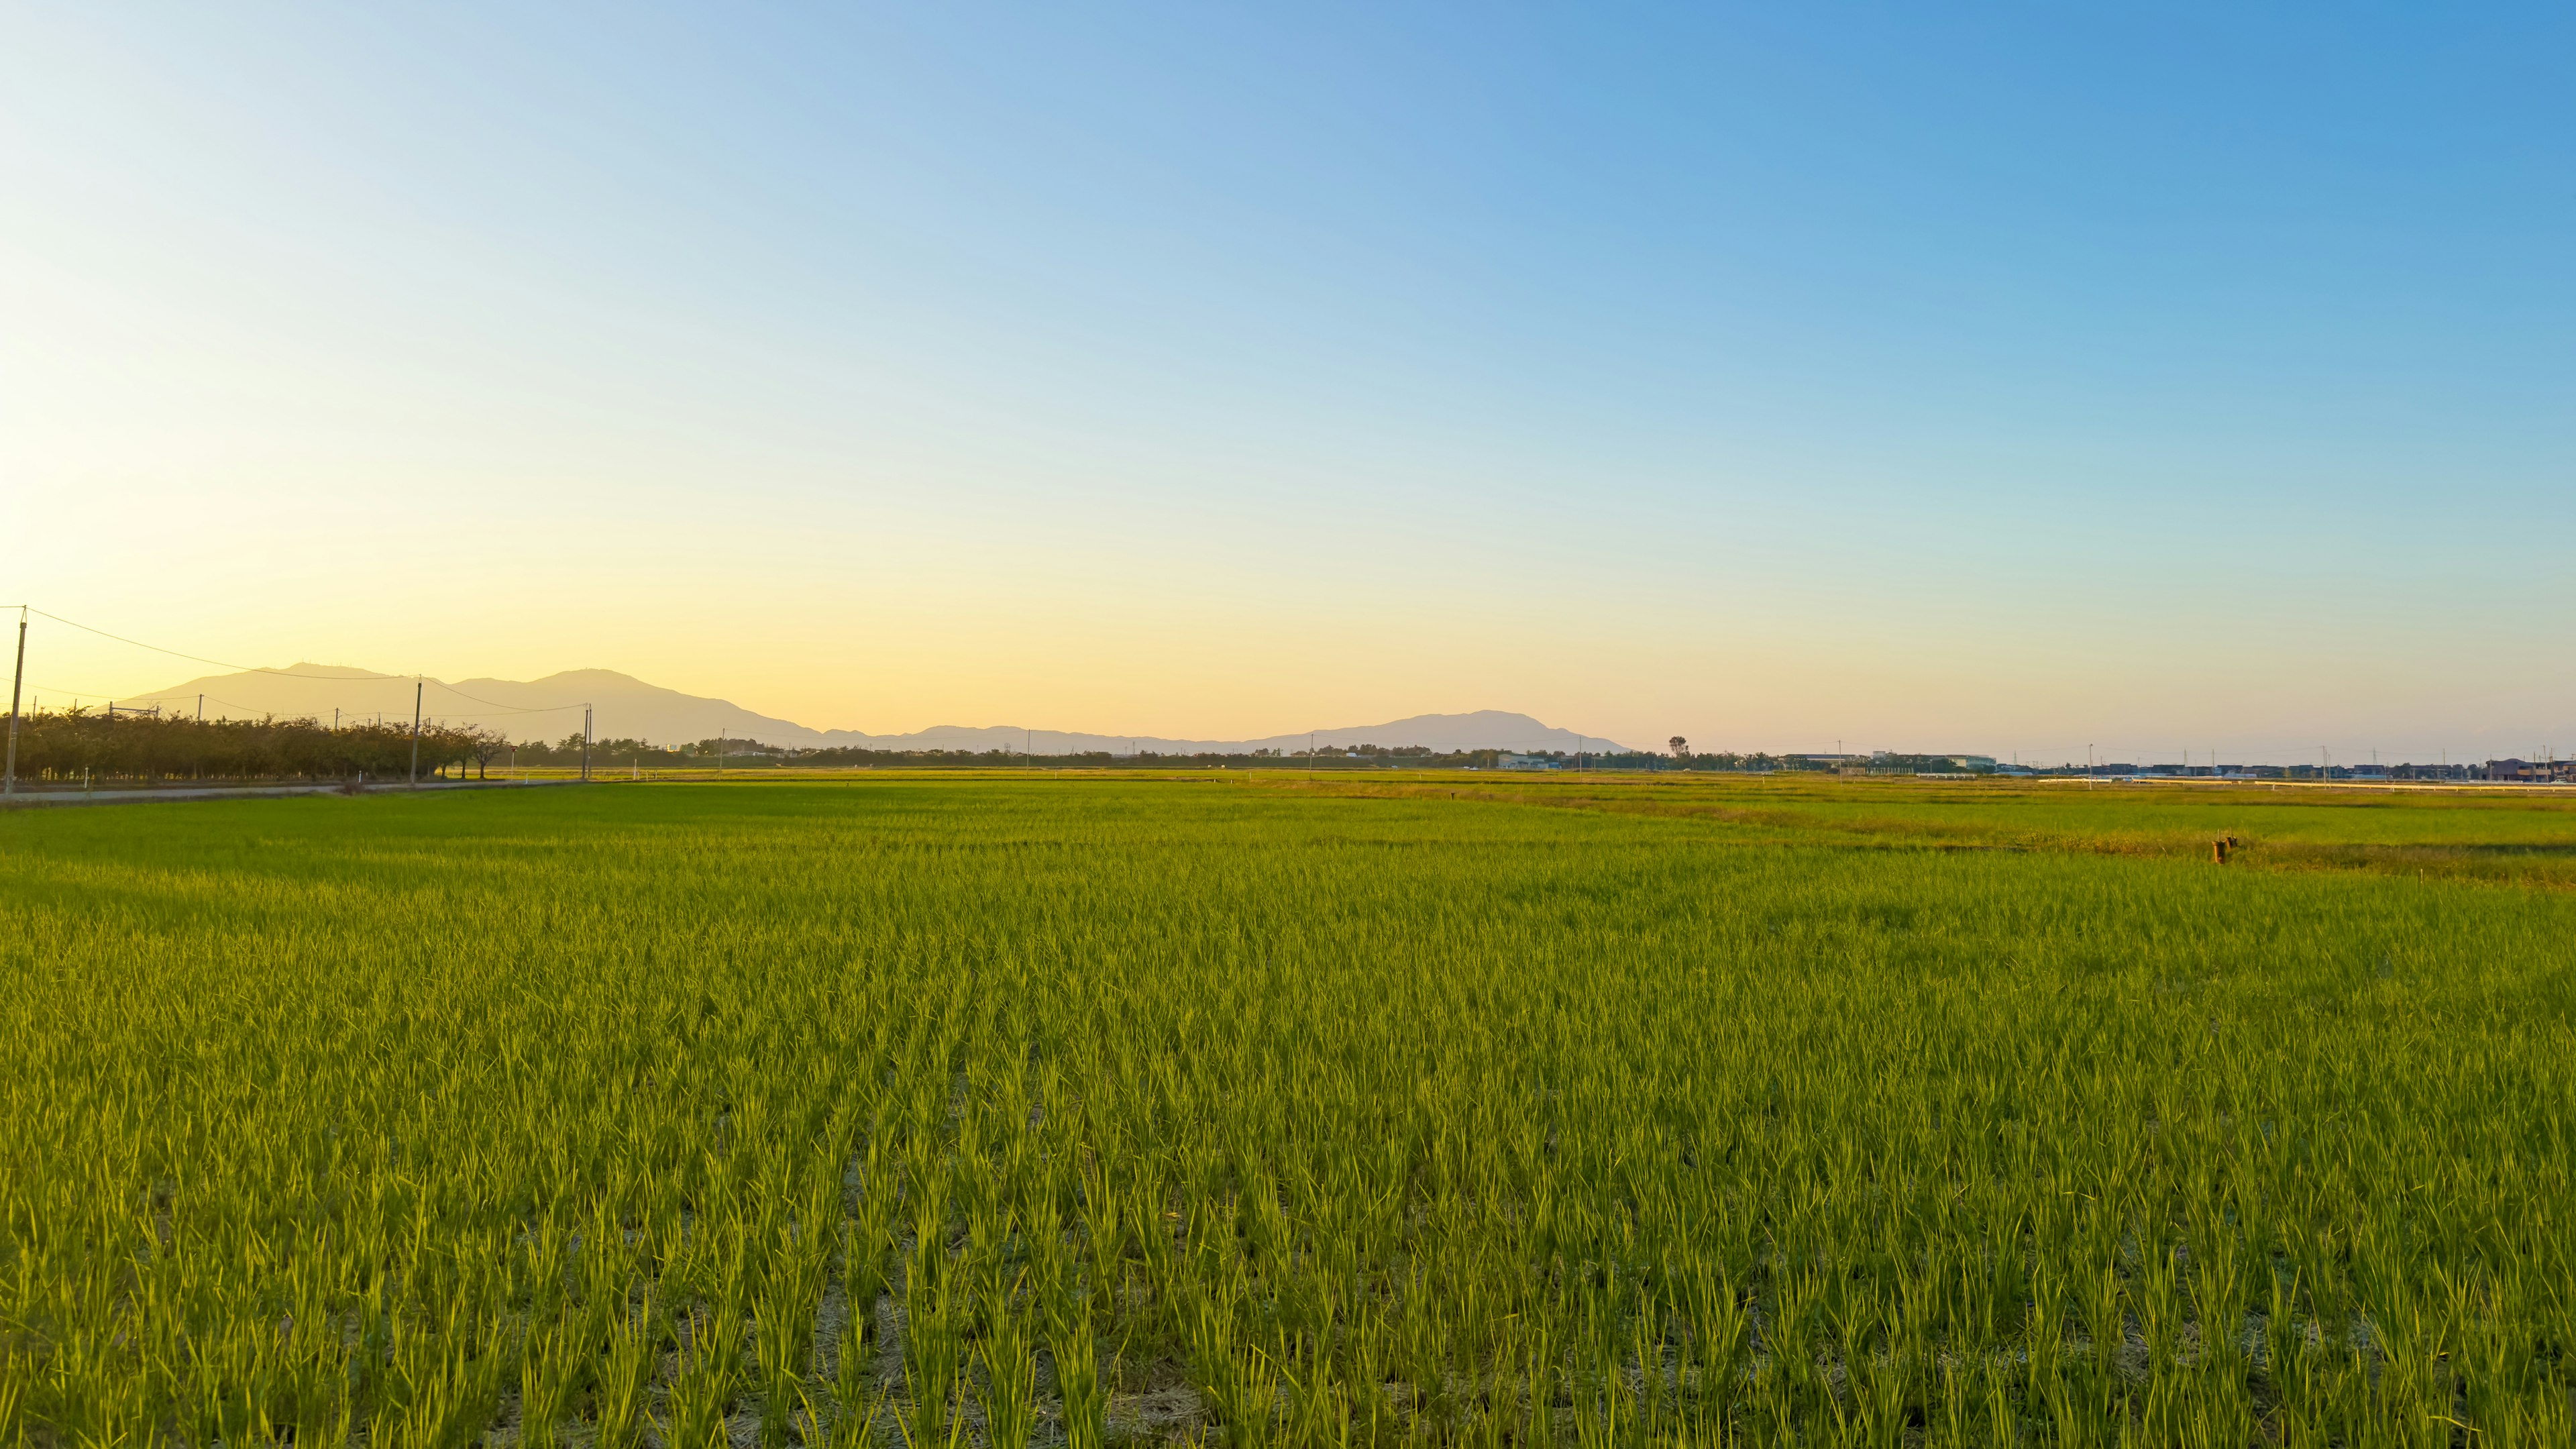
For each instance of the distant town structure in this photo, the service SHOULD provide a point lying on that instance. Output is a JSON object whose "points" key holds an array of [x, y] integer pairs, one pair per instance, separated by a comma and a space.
{"points": [[1528, 762]]}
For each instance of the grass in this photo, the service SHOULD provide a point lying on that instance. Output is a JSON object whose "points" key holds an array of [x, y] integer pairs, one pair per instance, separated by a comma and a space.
{"points": [[1263, 1109]]}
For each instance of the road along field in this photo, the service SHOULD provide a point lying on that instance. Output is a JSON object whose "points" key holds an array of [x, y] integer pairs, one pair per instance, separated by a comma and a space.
{"points": [[1262, 1110]]}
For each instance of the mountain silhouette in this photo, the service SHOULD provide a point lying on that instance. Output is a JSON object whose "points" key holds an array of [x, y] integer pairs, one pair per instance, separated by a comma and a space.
{"points": [[626, 707]]}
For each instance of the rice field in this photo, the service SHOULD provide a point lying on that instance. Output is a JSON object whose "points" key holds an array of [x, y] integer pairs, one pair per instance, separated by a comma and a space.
{"points": [[1253, 1110]]}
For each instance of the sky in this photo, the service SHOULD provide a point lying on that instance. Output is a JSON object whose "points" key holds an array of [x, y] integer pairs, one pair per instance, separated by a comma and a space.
{"points": [[2009, 378]]}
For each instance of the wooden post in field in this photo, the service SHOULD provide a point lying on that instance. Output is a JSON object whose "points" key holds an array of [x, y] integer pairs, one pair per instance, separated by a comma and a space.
{"points": [[17, 677]]}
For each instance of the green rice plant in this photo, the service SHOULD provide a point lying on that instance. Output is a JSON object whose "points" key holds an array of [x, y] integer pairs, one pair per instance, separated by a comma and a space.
{"points": [[13, 1399], [1718, 1338], [717, 1333], [1539, 1384], [933, 1358], [2072, 1416], [1364, 1374], [854, 1394], [702, 1391], [865, 1243], [1790, 1338], [844, 1423], [1601, 1413], [2044, 1336], [625, 1372], [445, 1398], [1043, 1238], [1010, 1396], [1315, 1408], [2155, 1300], [1958, 1379], [553, 1362], [1072, 1351], [2002, 1405], [1237, 1380], [927, 1186], [782, 1346], [1421, 1347]]}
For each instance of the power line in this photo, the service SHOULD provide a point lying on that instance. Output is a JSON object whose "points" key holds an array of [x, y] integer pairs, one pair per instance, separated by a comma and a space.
{"points": [[359, 678], [202, 659], [154, 698], [218, 699], [236, 704], [508, 708]]}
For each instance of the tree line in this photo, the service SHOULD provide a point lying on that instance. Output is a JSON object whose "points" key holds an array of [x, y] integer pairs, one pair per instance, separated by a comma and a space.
{"points": [[752, 755], [59, 746], [78, 744]]}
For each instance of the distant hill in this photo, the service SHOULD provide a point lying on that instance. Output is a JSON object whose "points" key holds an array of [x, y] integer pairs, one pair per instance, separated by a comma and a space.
{"points": [[627, 707], [548, 708], [1486, 729]]}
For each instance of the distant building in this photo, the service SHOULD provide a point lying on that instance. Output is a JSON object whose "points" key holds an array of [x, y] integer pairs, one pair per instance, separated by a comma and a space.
{"points": [[1527, 762]]}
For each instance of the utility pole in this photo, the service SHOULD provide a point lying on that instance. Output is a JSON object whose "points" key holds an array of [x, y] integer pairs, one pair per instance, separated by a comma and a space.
{"points": [[9, 779], [585, 744], [201, 713], [719, 754], [415, 734]]}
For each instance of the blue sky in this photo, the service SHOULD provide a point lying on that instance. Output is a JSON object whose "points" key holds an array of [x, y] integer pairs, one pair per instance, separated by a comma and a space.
{"points": [[1996, 377]]}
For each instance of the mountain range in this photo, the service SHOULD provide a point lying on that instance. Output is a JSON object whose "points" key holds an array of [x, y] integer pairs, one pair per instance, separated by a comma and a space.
{"points": [[626, 707]]}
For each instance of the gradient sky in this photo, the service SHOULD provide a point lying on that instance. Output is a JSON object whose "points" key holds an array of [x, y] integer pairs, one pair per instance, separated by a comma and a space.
{"points": [[2008, 378]]}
